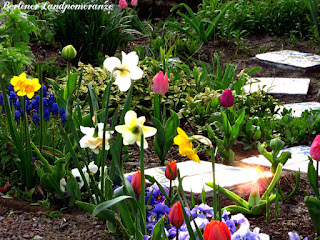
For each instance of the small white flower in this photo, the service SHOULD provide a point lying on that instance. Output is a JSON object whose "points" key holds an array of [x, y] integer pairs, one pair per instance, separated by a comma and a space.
{"points": [[76, 174], [131, 131], [124, 71], [63, 184], [94, 143]]}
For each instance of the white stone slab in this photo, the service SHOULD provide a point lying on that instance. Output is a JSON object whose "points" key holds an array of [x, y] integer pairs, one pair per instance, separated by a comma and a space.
{"points": [[195, 175], [297, 86], [291, 58], [298, 160], [299, 108]]}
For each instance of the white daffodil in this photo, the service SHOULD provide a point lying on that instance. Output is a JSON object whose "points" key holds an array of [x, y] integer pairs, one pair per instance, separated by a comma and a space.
{"points": [[92, 142], [131, 131], [76, 174], [124, 71]]}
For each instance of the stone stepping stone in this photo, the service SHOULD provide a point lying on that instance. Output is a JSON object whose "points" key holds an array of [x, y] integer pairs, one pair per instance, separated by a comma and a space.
{"points": [[299, 108], [299, 159], [290, 60], [196, 175], [295, 86]]}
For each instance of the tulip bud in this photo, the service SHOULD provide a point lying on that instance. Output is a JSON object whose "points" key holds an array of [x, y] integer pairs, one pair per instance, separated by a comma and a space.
{"points": [[173, 166], [68, 53], [134, 3], [226, 99], [136, 183], [217, 230], [176, 215], [315, 148], [160, 83], [123, 4]]}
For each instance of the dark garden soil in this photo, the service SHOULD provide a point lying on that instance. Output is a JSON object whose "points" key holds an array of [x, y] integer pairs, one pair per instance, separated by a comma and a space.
{"points": [[19, 220]]}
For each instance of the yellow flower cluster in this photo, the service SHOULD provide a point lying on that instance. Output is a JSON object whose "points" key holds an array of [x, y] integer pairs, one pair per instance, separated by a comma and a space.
{"points": [[24, 86]]}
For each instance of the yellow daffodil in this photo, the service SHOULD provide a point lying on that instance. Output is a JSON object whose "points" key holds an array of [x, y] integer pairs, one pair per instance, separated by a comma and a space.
{"points": [[185, 146], [24, 86], [94, 142], [131, 131], [124, 71]]}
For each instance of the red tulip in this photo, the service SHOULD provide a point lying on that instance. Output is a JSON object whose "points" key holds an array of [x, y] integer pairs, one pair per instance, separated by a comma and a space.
{"points": [[160, 83], [176, 215], [136, 183], [173, 166], [216, 230], [134, 3], [315, 148], [226, 99], [123, 4]]}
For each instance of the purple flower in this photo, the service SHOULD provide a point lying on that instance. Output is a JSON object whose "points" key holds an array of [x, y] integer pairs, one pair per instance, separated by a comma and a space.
{"points": [[12, 97], [183, 233], [63, 119], [45, 103], [202, 211], [35, 105], [46, 115], [17, 116], [36, 119], [17, 104], [295, 236], [51, 100], [155, 194], [1, 100], [11, 87], [62, 111], [44, 90], [55, 109], [157, 212]]}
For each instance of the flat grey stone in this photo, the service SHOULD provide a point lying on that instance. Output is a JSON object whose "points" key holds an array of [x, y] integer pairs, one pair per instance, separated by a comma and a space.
{"points": [[1, 218], [295, 86], [195, 175], [299, 108], [289, 59], [299, 159]]}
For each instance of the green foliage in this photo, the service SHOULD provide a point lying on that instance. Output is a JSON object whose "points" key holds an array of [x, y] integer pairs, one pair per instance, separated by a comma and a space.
{"points": [[202, 28], [94, 33]]}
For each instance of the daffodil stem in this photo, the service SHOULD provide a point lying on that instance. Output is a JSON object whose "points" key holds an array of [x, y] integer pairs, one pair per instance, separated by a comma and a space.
{"points": [[214, 184], [103, 158], [40, 105], [142, 193], [28, 147]]}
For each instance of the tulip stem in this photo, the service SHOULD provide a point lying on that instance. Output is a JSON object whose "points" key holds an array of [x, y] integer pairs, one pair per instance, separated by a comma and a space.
{"points": [[157, 113], [169, 200], [177, 234], [213, 154], [317, 177]]}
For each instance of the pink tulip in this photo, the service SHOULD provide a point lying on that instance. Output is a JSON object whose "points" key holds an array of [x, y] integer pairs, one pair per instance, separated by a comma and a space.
{"points": [[134, 3], [123, 4], [226, 99], [160, 83], [315, 148]]}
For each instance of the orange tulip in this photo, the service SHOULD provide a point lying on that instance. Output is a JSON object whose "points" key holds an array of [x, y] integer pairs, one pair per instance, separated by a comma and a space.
{"points": [[176, 215], [136, 183], [216, 230], [173, 166]]}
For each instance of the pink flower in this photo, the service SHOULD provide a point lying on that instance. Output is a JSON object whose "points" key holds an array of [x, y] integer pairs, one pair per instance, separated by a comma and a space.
{"points": [[226, 99], [315, 148], [123, 4], [134, 3], [160, 83]]}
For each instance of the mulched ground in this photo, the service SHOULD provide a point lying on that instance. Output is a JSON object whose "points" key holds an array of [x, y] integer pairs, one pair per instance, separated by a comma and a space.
{"points": [[19, 220]]}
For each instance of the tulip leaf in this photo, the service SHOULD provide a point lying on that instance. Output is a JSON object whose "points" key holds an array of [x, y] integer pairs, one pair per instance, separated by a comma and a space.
{"points": [[157, 230], [106, 214], [236, 209], [312, 177], [313, 205]]}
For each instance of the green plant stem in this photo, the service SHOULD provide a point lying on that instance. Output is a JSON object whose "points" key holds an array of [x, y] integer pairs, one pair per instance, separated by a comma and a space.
{"points": [[214, 185], [177, 234], [142, 193], [28, 147], [157, 113], [41, 105], [170, 189], [103, 151], [317, 176]]}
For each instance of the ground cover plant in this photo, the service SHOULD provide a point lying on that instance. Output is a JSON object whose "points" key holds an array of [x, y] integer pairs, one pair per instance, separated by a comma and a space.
{"points": [[68, 139]]}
